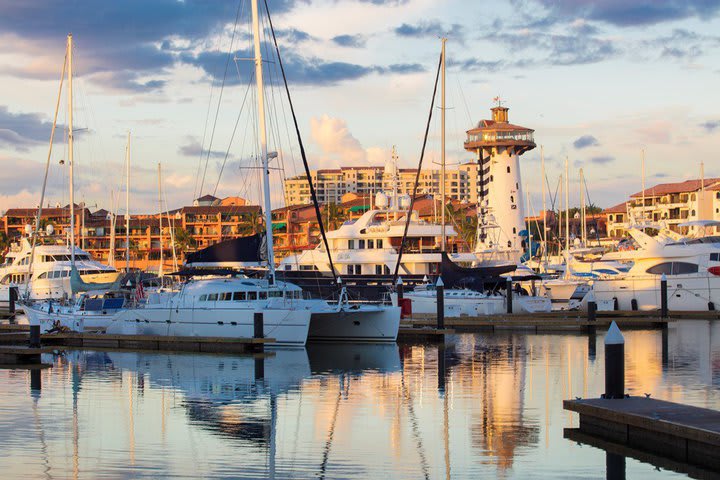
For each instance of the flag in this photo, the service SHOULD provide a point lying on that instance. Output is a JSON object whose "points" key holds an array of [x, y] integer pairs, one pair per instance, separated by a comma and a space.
{"points": [[139, 292]]}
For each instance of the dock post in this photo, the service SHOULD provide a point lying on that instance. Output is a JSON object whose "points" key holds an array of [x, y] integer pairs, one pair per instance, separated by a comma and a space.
{"points": [[34, 341], [614, 363], [258, 328], [35, 380], [440, 301], [614, 466], [509, 295], [663, 297], [592, 314]]}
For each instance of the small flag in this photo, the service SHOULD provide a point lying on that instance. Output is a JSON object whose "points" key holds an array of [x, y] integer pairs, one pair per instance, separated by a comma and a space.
{"points": [[139, 292]]}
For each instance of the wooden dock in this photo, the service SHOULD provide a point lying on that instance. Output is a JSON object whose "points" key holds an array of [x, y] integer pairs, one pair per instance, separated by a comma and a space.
{"points": [[553, 321], [22, 355], [158, 342], [427, 334], [679, 432]]}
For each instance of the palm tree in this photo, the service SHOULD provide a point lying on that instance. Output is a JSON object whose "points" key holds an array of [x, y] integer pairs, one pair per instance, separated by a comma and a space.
{"points": [[335, 216], [183, 240]]}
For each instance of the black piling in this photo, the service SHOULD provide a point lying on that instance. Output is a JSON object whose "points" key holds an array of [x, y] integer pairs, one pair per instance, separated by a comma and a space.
{"points": [[663, 297], [35, 380], [509, 295], [258, 328], [12, 298], [592, 316], [614, 466], [34, 340], [614, 363], [440, 301]]}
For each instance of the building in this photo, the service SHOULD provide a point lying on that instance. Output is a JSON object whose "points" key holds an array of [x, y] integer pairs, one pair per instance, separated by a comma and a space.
{"points": [[671, 204], [331, 184], [208, 221]]}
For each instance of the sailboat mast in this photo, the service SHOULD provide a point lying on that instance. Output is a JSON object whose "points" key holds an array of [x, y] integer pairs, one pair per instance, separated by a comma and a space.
{"points": [[70, 151], [583, 226], [642, 174], [544, 234], [127, 204], [442, 147], [567, 219], [263, 143], [160, 268]]}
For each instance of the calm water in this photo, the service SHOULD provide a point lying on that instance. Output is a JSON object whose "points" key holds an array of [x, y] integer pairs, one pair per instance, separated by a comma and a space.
{"points": [[356, 412]]}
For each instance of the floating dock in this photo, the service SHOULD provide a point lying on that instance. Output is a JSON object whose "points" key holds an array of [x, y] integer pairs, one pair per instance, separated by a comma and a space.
{"points": [[553, 321], [682, 433], [20, 355], [429, 334], [157, 342]]}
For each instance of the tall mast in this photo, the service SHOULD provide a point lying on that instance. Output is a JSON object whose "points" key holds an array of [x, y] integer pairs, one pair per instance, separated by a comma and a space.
{"points": [[642, 173], [127, 204], [542, 167], [70, 151], [160, 269], [442, 147], [111, 253], [583, 227], [701, 202], [263, 143], [567, 219]]}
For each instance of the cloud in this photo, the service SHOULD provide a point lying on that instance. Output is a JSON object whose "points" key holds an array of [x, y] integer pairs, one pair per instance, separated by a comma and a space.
{"points": [[23, 130], [710, 126], [194, 149], [336, 142], [432, 29], [586, 141], [623, 13], [602, 160], [354, 41]]}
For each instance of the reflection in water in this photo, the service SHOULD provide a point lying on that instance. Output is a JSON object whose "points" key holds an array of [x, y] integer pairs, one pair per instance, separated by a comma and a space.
{"points": [[482, 406]]}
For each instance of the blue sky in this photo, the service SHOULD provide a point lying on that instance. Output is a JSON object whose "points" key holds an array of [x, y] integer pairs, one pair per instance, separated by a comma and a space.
{"points": [[598, 81]]}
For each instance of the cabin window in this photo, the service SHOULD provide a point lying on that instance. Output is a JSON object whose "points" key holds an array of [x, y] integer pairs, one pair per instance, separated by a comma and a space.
{"points": [[351, 244], [252, 295], [203, 298], [673, 268], [212, 297], [379, 243], [262, 295], [275, 294], [715, 257], [361, 244], [378, 269], [288, 267], [226, 296], [43, 275], [371, 243], [239, 296]]}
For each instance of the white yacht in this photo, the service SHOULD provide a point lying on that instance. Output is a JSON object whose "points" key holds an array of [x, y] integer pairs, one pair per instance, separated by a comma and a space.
{"points": [[51, 266], [691, 266], [221, 307]]}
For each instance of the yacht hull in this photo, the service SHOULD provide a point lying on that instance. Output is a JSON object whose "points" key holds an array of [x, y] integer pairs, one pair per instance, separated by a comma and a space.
{"points": [[356, 323], [690, 293], [289, 327]]}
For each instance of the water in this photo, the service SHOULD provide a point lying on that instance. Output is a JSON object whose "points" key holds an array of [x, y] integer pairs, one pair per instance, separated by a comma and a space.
{"points": [[353, 412]]}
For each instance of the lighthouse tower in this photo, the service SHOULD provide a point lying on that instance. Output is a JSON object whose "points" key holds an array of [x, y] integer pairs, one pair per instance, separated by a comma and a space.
{"points": [[497, 145]]}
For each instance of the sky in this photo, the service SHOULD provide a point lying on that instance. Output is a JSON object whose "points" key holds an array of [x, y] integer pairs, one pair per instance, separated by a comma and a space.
{"points": [[599, 82]]}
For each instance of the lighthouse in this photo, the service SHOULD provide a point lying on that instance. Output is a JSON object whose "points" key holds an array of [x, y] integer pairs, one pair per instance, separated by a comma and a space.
{"points": [[497, 146]]}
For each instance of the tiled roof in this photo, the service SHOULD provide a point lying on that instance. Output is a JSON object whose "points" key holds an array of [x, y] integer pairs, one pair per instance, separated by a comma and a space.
{"points": [[619, 208], [676, 187]]}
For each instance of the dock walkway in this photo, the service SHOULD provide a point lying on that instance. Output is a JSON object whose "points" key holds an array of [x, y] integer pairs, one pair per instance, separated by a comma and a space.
{"points": [[681, 432]]}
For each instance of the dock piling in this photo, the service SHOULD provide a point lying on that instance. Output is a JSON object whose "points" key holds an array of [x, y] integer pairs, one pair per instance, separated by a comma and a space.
{"points": [[509, 295], [34, 339], [258, 327], [614, 363], [663, 297], [440, 301]]}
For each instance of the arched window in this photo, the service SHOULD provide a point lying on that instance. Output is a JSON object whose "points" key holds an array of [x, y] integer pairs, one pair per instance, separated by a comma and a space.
{"points": [[692, 213]]}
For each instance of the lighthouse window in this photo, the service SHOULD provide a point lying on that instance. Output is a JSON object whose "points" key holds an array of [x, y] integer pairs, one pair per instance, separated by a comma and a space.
{"points": [[512, 199], [491, 178], [514, 230], [508, 169]]}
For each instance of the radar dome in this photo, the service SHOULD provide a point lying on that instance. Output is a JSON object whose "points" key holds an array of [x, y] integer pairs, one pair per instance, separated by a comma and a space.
{"points": [[404, 202], [381, 200]]}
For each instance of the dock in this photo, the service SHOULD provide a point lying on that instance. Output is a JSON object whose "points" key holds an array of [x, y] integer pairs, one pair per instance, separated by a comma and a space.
{"points": [[552, 321], [682, 433], [157, 342], [22, 355], [427, 334]]}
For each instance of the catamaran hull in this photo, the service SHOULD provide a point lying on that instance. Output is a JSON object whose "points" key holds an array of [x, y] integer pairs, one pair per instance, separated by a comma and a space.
{"points": [[455, 306], [356, 324], [287, 327], [685, 292]]}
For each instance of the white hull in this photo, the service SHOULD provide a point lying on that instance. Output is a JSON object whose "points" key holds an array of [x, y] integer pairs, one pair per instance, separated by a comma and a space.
{"points": [[75, 321], [289, 327], [690, 293], [362, 323], [426, 304], [528, 304]]}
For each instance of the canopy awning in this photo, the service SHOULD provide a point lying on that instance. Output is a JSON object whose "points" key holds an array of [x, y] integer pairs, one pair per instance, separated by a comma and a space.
{"points": [[359, 208], [279, 225]]}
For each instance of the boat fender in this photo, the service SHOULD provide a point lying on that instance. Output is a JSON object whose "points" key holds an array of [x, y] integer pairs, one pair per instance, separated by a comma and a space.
{"points": [[633, 305]]}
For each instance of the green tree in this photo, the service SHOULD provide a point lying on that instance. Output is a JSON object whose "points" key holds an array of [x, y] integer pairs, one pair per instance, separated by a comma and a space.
{"points": [[183, 240], [334, 216]]}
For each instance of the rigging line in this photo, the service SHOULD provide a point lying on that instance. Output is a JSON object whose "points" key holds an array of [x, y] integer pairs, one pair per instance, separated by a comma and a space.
{"points": [[222, 89], [417, 175], [318, 215], [232, 137], [462, 94], [594, 218], [47, 169]]}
